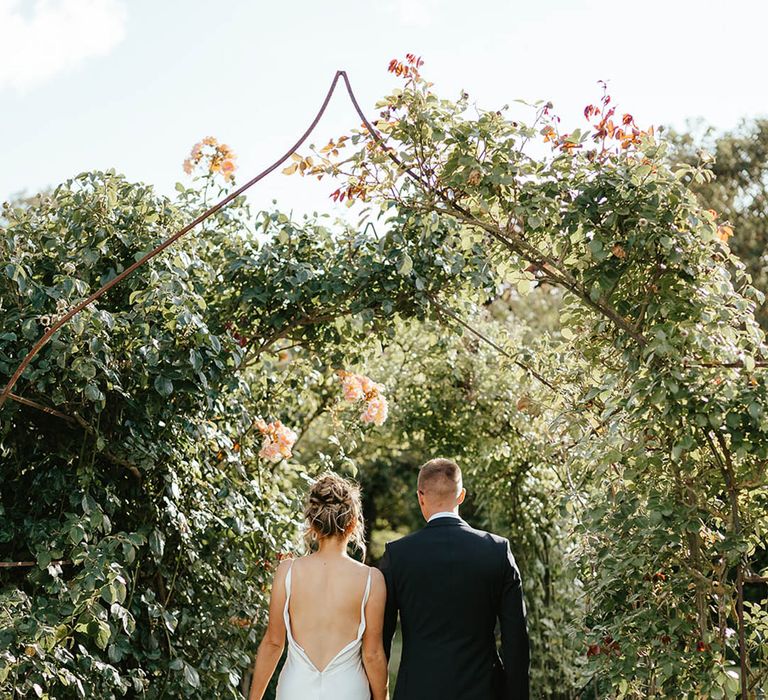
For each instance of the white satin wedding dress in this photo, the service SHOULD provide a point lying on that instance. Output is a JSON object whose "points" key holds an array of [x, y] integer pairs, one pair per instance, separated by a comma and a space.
{"points": [[343, 678]]}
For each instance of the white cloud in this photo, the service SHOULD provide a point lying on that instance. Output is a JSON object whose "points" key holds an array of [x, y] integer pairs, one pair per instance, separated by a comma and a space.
{"points": [[54, 36]]}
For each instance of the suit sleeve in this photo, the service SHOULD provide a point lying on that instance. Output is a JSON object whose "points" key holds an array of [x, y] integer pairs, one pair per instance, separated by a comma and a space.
{"points": [[514, 631], [390, 609]]}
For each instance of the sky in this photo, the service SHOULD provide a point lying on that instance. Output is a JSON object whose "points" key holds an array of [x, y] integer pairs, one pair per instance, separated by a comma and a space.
{"points": [[133, 84]]}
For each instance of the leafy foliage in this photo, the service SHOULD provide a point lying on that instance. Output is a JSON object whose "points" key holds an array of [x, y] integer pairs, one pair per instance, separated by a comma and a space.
{"points": [[604, 382], [738, 191], [145, 543], [667, 421], [141, 500], [454, 395]]}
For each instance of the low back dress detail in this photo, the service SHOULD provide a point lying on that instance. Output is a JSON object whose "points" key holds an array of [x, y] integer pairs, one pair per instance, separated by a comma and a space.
{"points": [[343, 678]]}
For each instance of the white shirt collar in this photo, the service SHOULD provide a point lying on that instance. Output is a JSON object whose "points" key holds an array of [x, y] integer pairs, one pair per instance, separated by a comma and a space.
{"points": [[444, 514]]}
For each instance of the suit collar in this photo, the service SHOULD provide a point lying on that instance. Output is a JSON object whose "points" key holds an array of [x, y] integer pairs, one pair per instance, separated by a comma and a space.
{"points": [[445, 520]]}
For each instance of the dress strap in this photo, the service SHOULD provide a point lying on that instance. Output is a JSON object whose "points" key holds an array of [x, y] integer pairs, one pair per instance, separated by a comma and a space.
{"points": [[367, 588], [286, 614], [361, 627], [288, 579]]}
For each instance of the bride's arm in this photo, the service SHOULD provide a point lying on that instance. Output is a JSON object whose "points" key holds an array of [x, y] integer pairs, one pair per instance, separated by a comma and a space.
{"points": [[374, 658], [271, 647]]}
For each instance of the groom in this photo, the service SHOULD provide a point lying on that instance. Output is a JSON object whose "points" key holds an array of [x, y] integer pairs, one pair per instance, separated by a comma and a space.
{"points": [[450, 583]]}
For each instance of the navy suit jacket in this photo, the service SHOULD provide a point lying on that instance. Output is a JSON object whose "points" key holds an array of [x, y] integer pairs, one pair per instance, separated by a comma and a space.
{"points": [[450, 584]]}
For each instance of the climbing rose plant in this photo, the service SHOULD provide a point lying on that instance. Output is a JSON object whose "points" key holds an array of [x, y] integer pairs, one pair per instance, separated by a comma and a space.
{"points": [[278, 440], [670, 414], [145, 500], [142, 504], [359, 388], [209, 157]]}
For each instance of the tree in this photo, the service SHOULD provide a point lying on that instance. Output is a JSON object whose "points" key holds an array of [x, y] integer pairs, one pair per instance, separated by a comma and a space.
{"points": [[738, 191]]}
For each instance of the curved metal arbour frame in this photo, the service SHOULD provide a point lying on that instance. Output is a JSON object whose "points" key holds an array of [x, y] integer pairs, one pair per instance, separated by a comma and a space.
{"points": [[7, 391]]}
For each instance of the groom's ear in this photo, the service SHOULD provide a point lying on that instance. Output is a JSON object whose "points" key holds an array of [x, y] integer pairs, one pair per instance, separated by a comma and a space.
{"points": [[462, 496]]}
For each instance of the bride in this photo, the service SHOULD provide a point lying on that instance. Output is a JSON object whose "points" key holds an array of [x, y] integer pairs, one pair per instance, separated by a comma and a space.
{"points": [[330, 608]]}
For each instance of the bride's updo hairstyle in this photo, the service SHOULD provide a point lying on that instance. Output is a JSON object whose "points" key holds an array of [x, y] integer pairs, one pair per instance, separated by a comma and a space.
{"points": [[334, 509]]}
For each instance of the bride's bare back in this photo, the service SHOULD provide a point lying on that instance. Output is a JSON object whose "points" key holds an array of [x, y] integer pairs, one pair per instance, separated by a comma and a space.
{"points": [[325, 604], [328, 607]]}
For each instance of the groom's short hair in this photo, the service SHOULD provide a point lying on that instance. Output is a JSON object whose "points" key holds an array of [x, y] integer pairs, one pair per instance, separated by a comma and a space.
{"points": [[440, 478]]}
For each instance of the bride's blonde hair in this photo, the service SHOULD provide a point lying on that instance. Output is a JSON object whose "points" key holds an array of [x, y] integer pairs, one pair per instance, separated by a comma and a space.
{"points": [[333, 509]]}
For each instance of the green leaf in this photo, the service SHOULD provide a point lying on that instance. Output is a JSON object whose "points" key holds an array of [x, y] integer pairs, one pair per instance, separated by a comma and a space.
{"points": [[191, 676], [103, 633], [524, 287], [114, 653], [170, 620], [157, 544], [163, 385], [76, 533], [406, 265], [642, 170], [118, 590], [84, 368], [93, 393]]}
